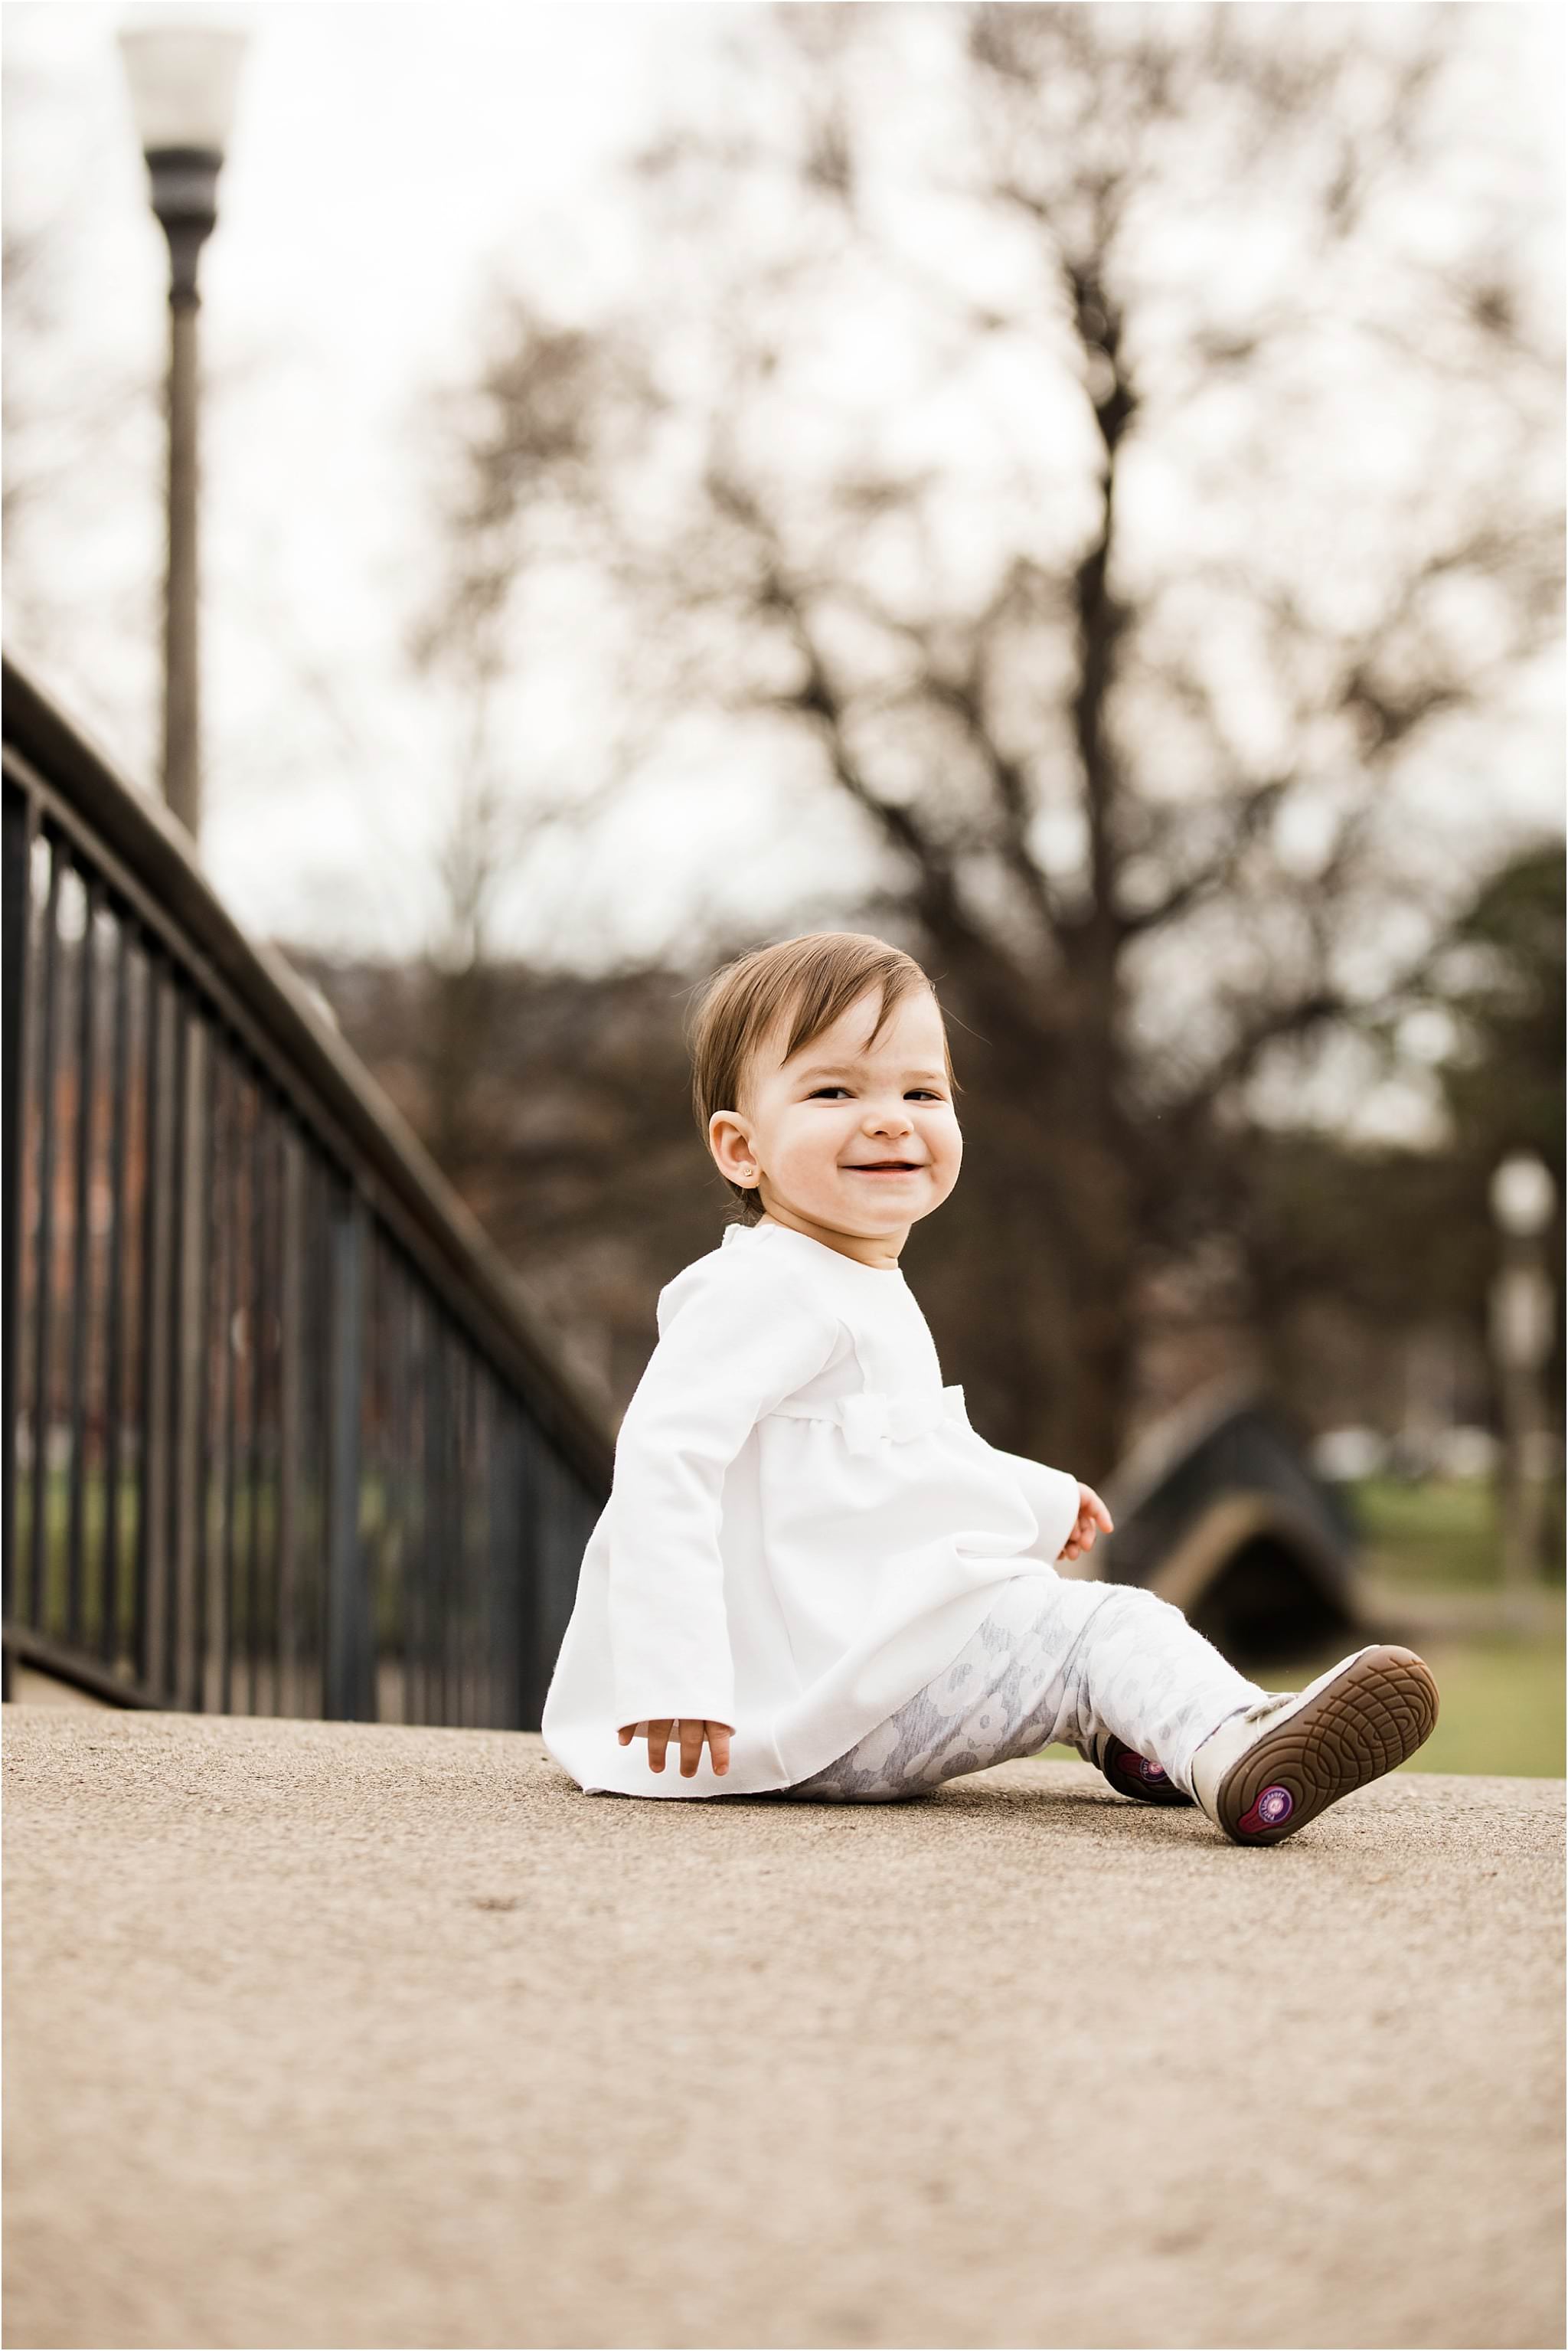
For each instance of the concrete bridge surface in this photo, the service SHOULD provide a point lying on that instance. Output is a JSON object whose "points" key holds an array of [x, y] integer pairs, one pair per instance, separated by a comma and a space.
{"points": [[324, 2034]]}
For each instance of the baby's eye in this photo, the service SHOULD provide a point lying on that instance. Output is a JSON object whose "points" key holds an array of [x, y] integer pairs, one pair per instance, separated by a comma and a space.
{"points": [[819, 1093]]}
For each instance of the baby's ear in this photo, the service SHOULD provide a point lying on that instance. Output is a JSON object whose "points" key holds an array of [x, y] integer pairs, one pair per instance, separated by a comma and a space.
{"points": [[732, 1152]]}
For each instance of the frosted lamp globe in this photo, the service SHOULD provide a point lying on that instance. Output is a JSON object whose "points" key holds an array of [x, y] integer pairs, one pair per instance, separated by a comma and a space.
{"points": [[183, 80]]}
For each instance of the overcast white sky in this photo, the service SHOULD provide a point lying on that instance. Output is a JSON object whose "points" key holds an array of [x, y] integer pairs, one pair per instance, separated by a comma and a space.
{"points": [[388, 164]]}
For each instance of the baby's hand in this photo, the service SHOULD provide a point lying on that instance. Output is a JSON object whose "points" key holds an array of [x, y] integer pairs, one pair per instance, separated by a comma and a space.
{"points": [[1092, 1516], [691, 1735]]}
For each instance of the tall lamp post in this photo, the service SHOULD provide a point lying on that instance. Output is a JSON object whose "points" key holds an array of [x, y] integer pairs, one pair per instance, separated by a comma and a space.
{"points": [[1523, 1199], [183, 80]]}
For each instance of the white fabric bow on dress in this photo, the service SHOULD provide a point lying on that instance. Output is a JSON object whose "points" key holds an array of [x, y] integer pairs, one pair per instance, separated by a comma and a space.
{"points": [[872, 1415]]}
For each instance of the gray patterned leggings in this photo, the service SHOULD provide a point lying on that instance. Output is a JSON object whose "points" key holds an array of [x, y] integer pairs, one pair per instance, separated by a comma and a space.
{"points": [[1055, 1659]]}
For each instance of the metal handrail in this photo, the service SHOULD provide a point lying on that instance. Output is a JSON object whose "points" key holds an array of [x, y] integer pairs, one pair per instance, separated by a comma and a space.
{"points": [[242, 1163]]}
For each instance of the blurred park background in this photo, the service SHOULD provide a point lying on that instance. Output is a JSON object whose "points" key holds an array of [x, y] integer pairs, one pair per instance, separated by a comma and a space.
{"points": [[1076, 490]]}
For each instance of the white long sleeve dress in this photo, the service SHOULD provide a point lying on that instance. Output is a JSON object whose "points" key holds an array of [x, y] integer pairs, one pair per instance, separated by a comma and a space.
{"points": [[803, 1528]]}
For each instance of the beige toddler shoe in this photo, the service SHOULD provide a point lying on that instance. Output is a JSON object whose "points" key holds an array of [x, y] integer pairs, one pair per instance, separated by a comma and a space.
{"points": [[1268, 1772]]}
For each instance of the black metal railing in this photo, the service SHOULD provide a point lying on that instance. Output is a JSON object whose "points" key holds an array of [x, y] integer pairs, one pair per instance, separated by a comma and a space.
{"points": [[281, 1437]]}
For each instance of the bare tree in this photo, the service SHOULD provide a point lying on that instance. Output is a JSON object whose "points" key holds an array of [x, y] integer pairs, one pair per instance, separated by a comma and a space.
{"points": [[1138, 671], [524, 451]]}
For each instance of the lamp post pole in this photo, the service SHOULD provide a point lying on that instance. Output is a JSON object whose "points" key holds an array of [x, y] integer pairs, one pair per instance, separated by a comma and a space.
{"points": [[1523, 1199], [182, 85], [183, 197]]}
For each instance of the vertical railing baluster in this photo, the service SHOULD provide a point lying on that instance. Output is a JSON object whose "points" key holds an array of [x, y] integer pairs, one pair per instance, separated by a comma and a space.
{"points": [[82, 1319], [484, 1506], [228, 1296], [256, 1306], [371, 1464], [417, 1699], [470, 1482], [458, 1547], [178, 1356], [305, 1362], [437, 1521], [315, 1435], [268, 1356], [479, 1541], [526, 1571], [490, 1617], [430, 1504], [290, 1274], [506, 1563], [418, 1457], [190, 1342], [348, 1628], [558, 1550], [493, 1635], [134, 1470], [20, 832], [430, 1512], [169, 1304], [150, 1607], [43, 1278], [466, 1490], [207, 1272], [449, 1529], [401, 1498], [325, 1187], [233, 1317], [435, 1438], [378, 1373], [114, 1398], [472, 1535]]}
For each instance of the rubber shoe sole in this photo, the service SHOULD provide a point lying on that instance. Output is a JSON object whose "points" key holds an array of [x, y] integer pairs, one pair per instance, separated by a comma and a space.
{"points": [[1131, 1776], [1369, 1721]]}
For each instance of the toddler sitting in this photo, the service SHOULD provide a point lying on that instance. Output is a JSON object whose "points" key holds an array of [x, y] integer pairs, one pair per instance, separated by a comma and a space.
{"points": [[812, 1577]]}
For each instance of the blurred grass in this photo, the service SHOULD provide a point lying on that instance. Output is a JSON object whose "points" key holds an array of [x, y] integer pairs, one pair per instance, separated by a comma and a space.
{"points": [[1443, 1534], [1501, 1707], [1501, 1691]]}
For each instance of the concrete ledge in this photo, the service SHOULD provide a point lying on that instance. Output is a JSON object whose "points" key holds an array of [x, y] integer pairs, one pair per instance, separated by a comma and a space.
{"points": [[330, 2034]]}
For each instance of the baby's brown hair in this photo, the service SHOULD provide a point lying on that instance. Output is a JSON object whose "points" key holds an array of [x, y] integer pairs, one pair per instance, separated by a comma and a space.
{"points": [[812, 981]]}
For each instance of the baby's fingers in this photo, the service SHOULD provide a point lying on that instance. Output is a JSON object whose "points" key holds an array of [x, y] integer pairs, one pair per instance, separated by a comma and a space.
{"points": [[691, 1747], [718, 1747], [658, 1740], [1093, 1508]]}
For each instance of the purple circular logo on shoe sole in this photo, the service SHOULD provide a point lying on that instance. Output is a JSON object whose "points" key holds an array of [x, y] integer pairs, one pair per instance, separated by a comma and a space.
{"points": [[1274, 1805], [1147, 1771]]}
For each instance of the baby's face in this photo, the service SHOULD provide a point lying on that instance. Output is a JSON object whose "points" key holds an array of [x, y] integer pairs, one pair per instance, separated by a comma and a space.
{"points": [[848, 1141]]}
